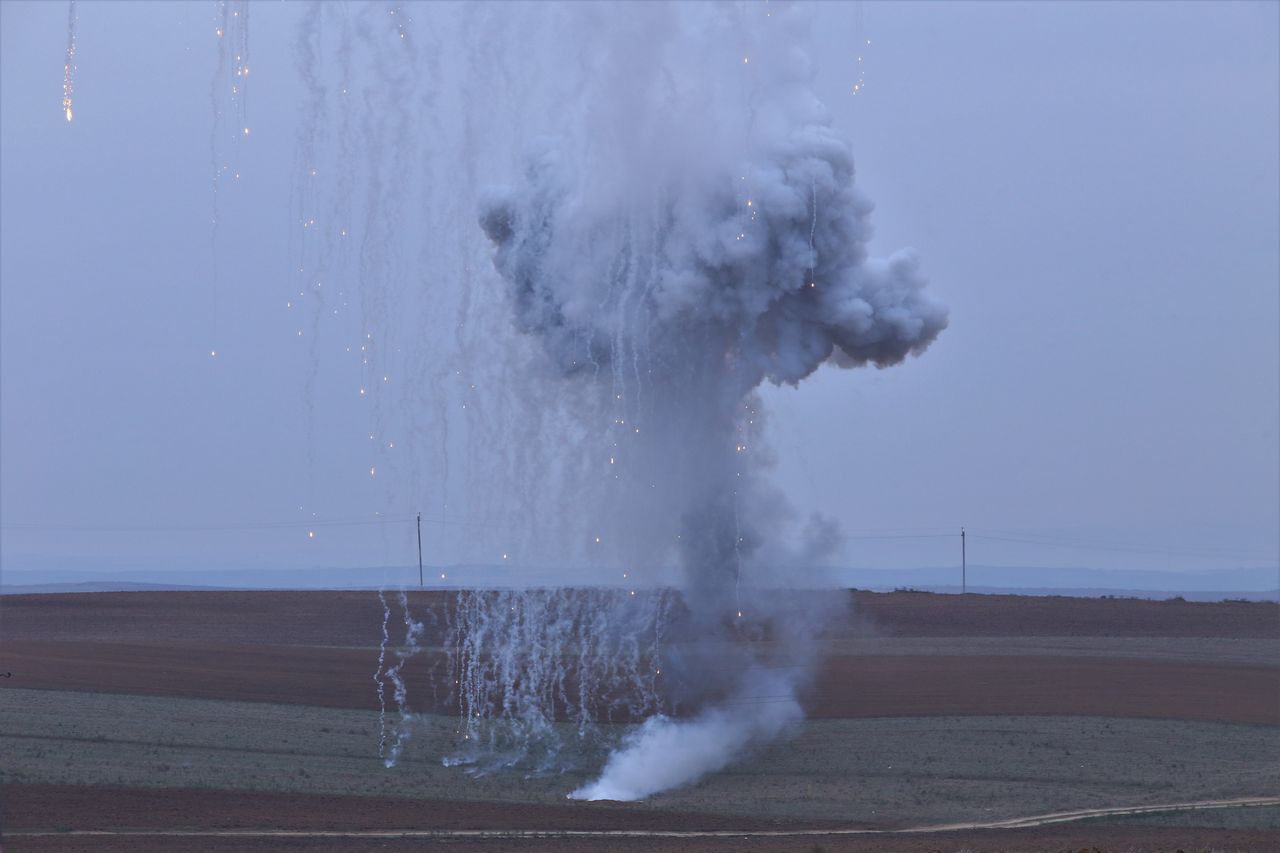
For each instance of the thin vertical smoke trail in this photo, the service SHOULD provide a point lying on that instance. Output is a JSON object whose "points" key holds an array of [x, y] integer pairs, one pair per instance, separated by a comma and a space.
{"points": [[388, 126], [494, 417], [69, 68], [523, 660], [370, 147], [311, 264], [413, 631], [378, 675], [218, 168], [232, 32], [862, 43], [237, 35]]}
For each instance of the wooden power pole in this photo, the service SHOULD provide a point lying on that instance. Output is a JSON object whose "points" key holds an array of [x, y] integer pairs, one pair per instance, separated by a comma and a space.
{"points": [[964, 585], [419, 550]]}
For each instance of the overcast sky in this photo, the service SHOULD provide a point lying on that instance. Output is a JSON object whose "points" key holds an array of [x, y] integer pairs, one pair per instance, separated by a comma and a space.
{"points": [[1093, 190]]}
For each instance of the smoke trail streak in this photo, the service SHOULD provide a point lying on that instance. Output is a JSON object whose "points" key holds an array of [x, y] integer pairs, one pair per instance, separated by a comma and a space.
{"points": [[217, 168], [69, 67], [413, 631], [236, 32], [378, 675], [525, 659], [232, 32]]}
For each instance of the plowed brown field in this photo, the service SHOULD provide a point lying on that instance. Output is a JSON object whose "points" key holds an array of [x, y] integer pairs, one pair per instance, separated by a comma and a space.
{"points": [[847, 686], [319, 649], [315, 648], [354, 618], [132, 810]]}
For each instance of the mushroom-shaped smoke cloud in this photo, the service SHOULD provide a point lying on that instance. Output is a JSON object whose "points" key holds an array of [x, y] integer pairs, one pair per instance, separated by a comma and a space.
{"points": [[695, 232]]}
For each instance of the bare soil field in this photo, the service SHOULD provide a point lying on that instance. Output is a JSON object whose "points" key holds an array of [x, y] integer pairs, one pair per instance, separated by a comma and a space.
{"points": [[884, 772], [133, 813], [354, 618], [207, 710], [314, 648], [847, 685]]}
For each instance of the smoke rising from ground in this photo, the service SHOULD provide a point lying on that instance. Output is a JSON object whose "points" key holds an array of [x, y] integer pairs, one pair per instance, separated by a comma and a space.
{"points": [[699, 233], [665, 753], [668, 221]]}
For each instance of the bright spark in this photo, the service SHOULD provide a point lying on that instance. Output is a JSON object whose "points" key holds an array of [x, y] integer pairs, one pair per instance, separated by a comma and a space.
{"points": [[69, 68]]}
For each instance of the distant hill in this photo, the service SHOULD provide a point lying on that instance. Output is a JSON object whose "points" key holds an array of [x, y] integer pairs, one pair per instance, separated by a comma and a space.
{"points": [[1237, 583]]}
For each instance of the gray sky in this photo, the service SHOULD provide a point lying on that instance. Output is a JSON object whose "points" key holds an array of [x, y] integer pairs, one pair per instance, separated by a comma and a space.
{"points": [[1093, 190]]}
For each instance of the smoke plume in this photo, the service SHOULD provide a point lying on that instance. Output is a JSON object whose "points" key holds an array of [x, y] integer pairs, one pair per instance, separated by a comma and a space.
{"points": [[694, 233], [664, 753]]}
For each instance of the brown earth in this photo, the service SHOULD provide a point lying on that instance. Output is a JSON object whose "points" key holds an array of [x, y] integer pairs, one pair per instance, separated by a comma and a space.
{"points": [[1057, 840], [106, 807], [318, 648], [846, 687], [63, 808], [346, 618]]}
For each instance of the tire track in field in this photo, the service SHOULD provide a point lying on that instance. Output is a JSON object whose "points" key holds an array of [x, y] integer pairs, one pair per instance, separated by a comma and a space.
{"points": [[1028, 822]]}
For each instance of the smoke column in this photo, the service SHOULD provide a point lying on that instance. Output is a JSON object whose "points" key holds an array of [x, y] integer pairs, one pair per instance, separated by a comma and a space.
{"points": [[568, 243], [697, 235]]}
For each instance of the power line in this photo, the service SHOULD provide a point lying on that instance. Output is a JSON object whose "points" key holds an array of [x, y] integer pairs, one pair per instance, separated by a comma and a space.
{"points": [[862, 535], [161, 528], [249, 525]]}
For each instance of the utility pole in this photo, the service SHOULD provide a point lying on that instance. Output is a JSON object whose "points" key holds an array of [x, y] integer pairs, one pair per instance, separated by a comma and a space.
{"points": [[419, 550], [963, 566]]}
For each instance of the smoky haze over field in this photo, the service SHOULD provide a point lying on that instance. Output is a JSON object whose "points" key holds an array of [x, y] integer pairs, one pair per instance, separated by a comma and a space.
{"points": [[1092, 189]]}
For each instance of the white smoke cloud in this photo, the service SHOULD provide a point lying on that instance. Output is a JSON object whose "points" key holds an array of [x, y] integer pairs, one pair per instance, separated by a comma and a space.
{"points": [[664, 753], [693, 232], [769, 269]]}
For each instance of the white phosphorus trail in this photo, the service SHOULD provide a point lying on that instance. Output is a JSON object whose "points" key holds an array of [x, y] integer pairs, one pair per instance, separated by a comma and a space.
{"points": [[69, 68], [667, 222], [378, 675], [741, 294], [231, 31], [413, 631]]}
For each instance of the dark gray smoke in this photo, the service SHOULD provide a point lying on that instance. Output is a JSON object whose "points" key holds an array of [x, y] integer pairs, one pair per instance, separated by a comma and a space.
{"points": [[706, 238]]}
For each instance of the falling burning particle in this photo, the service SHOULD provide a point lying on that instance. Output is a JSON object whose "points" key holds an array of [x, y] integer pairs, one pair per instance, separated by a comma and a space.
{"points": [[69, 68]]}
